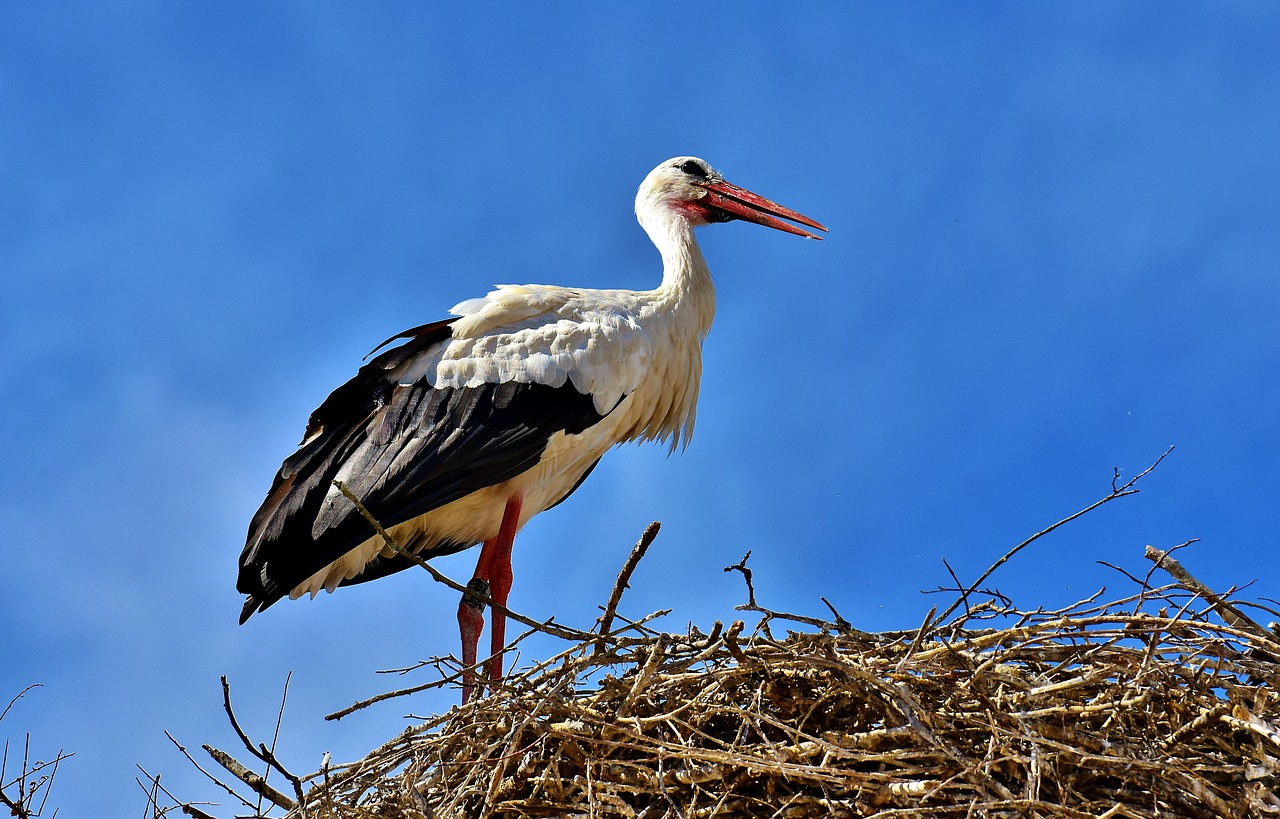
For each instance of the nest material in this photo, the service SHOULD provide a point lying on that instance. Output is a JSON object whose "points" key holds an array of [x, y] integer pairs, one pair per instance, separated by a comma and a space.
{"points": [[1098, 710]]}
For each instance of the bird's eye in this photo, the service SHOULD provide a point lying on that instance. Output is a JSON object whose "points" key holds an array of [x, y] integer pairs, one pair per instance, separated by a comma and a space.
{"points": [[693, 168]]}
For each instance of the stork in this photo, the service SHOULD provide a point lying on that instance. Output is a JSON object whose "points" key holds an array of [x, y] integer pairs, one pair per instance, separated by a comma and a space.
{"points": [[476, 423]]}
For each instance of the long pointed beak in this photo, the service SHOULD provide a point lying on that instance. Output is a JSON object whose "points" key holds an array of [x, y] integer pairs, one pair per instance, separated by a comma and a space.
{"points": [[731, 202]]}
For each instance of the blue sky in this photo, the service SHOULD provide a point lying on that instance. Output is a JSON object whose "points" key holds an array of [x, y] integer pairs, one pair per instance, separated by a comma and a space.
{"points": [[1054, 248]]}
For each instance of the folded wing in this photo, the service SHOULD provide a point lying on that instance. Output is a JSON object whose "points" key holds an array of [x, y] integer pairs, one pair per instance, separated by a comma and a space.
{"points": [[404, 447]]}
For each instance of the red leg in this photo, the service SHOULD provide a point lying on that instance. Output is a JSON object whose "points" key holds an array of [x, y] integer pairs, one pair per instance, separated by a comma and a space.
{"points": [[470, 624], [493, 578], [500, 583]]}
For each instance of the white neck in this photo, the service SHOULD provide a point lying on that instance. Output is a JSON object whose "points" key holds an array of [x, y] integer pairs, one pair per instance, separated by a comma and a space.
{"points": [[687, 290]]}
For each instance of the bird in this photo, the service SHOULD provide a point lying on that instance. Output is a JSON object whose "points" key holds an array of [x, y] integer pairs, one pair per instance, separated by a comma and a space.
{"points": [[471, 425]]}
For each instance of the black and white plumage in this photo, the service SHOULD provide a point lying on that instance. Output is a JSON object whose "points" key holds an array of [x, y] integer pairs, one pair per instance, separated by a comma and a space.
{"points": [[475, 424]]}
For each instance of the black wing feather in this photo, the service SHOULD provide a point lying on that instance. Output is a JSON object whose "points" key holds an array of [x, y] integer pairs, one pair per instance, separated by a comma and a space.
{"points": [[404, 450]]}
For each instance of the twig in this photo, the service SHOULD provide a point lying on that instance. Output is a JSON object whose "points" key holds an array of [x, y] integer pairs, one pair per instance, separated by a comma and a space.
{"points": [[741, 566], [17, 697], [215, 780], [153, 796], [248, 777], [404, 692], [964, 593], [924, 629], [261, 751], [1229, 613], [22, 807], [29, 785], [1117, 491], [624, 579], [562, 632], [841, 623], [275, 737]]}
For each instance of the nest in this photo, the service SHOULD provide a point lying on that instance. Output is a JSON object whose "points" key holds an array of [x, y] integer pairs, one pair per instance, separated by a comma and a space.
{"points": [[1158, 704], [1143, 707]]}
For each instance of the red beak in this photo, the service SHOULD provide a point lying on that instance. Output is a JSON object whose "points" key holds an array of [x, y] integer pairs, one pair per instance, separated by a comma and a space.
{"points": [[724, 202]]}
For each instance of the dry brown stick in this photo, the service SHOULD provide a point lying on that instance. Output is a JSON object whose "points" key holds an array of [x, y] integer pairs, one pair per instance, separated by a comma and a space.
{"points": [[1229, 613], [28, 783], [262, 752], [768, 614], [153, 796], [841, 623], [404, 692], [624, 580], [1116, 492], [562, 632], [741, 566], [919, 638], [248, 777], [215, 780]]}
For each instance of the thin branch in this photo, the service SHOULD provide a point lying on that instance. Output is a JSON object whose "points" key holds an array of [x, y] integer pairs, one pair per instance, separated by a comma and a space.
{"points": [[17, 697], [153, 797], [271, 752], [215, 780], [841, 623], [391, 543], [964, 593], [445, 679], [614, 637], [31, 780], [1117, 491], [624, 579], [741, 566], [1229, 613], [22, 806], [261, 751], [919, 638]]}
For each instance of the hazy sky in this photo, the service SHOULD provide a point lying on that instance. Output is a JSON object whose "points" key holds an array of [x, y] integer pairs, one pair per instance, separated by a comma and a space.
{"points": [[1054, 248]]}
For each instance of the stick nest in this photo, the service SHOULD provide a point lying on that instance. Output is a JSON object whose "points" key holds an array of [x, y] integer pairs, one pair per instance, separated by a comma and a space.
{"points": [[1155, 705], [1096, 710]]}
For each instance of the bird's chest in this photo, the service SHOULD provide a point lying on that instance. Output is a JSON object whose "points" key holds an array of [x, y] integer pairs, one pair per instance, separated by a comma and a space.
{"points": [[661, 407]]}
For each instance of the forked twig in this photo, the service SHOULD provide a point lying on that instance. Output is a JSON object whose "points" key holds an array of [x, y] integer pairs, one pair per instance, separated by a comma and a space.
{"points": [[261, 751], [153, 789], [741, 566], [1117, 491], [841, 625], [32, 781]]}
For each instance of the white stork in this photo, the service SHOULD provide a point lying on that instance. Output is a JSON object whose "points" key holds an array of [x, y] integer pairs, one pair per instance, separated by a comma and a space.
{"points": [[477, 423]]}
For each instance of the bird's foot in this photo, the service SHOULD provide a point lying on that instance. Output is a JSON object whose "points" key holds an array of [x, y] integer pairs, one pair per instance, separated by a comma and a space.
{"points": [[470, 625]]}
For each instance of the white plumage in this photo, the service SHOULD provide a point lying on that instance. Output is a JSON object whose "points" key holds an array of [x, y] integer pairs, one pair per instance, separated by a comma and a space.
{"points": [[476, 424]]}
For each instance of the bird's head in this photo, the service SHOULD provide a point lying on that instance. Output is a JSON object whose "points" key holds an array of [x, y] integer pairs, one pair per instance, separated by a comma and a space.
{"points": [[691, 189]]}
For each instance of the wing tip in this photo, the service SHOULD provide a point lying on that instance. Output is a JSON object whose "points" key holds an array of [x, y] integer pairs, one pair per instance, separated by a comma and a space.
{"points": [[252, 605]]}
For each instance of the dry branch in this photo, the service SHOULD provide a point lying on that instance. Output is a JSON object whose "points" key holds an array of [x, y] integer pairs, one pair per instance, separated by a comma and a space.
{"points": [[1118, 490], [624, 579], [26, 793]]}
